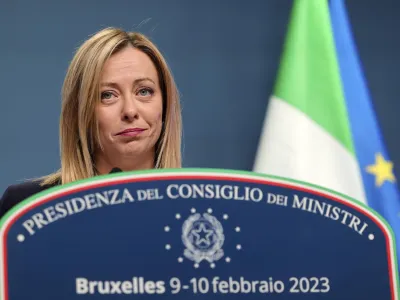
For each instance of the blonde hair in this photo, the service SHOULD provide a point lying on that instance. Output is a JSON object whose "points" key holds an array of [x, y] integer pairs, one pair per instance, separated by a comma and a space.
{"points": [[79, 133]]}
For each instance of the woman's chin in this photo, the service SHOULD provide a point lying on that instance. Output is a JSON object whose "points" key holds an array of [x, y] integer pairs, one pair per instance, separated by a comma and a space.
{"points": [[137, 151]]}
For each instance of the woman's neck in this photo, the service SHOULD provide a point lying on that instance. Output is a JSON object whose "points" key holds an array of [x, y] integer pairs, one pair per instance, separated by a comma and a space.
{"points": [[104, 164]]}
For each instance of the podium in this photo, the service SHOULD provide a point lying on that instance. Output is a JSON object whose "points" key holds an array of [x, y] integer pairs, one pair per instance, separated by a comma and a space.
{"points": [[195, 233]]}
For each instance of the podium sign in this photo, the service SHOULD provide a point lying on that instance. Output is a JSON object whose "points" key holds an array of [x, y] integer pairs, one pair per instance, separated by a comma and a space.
{"points": [[201, 233]]}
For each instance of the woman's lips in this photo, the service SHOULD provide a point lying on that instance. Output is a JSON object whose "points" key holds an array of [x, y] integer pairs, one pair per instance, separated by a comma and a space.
{"points": [[131, 132]]}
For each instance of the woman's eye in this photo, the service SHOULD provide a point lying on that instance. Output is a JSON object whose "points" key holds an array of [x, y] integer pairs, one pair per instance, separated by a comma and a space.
{"points": [[106, 95], [145, 92]]}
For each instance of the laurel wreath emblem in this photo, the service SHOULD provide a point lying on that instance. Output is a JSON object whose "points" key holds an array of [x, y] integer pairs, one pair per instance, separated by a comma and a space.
{"points": [[195, 253]]}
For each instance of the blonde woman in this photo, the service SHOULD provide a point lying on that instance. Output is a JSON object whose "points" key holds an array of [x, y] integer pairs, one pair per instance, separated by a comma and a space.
{"points": [[120, 109]]}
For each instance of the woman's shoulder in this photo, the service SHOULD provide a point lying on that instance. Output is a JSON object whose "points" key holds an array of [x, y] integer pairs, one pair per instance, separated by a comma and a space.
{"points": [[16, 193]]}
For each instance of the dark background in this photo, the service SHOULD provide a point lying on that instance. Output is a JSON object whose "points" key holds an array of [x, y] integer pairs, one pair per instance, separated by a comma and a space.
{"points": [[224, 55]]}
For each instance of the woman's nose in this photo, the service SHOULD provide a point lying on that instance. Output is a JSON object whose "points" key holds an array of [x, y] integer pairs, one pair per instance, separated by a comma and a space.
{"points": [[129, 111]]}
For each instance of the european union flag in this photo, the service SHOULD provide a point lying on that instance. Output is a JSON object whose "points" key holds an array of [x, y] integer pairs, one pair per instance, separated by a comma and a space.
{"points": [[376, 168]]}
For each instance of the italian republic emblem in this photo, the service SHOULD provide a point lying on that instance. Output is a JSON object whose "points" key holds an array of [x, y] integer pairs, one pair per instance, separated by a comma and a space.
{"points": [[203, 237]]}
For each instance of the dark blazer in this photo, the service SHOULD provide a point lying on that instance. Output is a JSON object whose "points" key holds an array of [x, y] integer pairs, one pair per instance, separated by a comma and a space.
{"points": [[16, 193]]}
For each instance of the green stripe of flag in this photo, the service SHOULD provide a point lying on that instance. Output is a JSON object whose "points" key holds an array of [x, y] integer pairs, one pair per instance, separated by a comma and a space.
{"points": [[309, 77]]}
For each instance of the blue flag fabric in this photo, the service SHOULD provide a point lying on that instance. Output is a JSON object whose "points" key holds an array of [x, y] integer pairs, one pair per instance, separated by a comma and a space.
{"points": [[376, 169]]}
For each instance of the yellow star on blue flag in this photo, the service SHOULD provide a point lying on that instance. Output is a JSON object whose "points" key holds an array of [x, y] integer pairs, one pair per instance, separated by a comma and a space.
{"points": [[382, 169]]}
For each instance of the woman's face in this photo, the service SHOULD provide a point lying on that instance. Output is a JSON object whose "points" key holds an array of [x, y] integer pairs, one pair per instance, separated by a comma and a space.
{"points": [[130, 110]]}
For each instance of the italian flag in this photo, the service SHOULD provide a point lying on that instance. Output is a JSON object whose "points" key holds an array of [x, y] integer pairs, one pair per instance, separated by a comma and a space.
{"points": [[306, 133]]}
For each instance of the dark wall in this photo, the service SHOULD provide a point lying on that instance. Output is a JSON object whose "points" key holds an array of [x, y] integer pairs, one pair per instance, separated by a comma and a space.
{"points": [[224, 55]]}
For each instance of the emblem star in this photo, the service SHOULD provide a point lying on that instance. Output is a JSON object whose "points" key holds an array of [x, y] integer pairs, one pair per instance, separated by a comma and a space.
{"points": [[199, 239], [382, 169]]}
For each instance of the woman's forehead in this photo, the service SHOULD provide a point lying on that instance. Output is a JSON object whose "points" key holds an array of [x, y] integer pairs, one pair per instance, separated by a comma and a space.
{"points": [[129, 62]]}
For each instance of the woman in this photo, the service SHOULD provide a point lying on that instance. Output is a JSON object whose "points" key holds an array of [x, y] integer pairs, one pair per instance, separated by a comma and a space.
{"points": [[120, 109]]}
